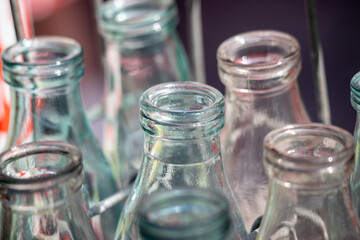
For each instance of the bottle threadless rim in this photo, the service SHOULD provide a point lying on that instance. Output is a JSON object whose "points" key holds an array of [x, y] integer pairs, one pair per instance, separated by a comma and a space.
{"points": [[137, 20], [310, 155], [43, 63], [184, 214], [40, 165], [259, 60], [182, 110]]}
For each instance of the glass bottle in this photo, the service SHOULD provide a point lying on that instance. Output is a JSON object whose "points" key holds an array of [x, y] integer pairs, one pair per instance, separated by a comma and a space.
{"points": [[355, 179], [181, 121], [141, 49], [309, 168], [184, 214], [44, 76], [259, 70], [40, 193]]}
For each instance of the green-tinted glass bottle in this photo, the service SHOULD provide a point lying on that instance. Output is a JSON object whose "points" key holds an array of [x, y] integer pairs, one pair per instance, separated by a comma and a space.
{"points": [[40, 193], [141, 48], [309, 168], [181, 121], [185, 214], [44, 76]]}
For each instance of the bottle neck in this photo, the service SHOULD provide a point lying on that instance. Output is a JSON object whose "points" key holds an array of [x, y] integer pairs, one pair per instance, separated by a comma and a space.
{"points": [[49, 114], [273, 107], [170, 151]]}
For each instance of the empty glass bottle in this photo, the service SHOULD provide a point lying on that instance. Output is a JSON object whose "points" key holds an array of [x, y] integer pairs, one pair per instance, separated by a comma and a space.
{"points": [[309, 168], [355, 179], [259, 70], [44, 76], [182, 147], [180, 214], [141, 49], [40, 193]]}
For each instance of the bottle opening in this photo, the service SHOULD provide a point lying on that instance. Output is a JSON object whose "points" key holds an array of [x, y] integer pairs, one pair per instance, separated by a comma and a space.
{"points": [[185, 213], [258, 60], [355, 91], [121, 19], [39, 165], [42, 63], [310, 153], [170, 107]]}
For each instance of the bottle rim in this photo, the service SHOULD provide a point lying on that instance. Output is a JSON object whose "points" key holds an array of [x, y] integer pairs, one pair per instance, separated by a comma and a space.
{"points": [[175, 106], [258, 60], [314, 158], [160, 205], [124, 20], [20, 181], [43, 62]]}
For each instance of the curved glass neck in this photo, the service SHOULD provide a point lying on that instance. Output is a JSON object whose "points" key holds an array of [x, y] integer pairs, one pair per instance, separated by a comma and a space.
{"points": [[309, 156], [184, 214], [43, 64], [137, 23], [182, 111], [40, 174], [259, 60]]}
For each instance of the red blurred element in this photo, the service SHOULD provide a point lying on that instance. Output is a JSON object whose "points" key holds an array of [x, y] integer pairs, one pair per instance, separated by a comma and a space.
{"points": [[42, 9]]}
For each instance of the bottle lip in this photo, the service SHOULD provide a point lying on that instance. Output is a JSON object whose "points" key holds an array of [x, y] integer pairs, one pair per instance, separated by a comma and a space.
{"points": [[180, 106], [160, 213], [293, 149], [259, 59], [43, 62], [30, 178], [124, 20], [355, 91]]}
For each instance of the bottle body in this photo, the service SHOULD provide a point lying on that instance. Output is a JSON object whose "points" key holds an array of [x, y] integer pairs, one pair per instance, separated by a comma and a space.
{"points": [[136, 57], [259, 70], [47, 106], [40, 191], [309, 167], [182, 148]]}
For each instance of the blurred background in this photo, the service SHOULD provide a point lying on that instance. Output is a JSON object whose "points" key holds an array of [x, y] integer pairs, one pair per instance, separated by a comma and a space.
{"points": [[339, 24]]}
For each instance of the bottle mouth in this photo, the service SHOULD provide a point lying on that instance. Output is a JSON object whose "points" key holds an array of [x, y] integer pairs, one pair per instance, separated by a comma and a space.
{"points": [[184, 214], [259, 60], [182, 110], [39, 165], [123, 20], [311, 155], [43, 63], [355, 91]]}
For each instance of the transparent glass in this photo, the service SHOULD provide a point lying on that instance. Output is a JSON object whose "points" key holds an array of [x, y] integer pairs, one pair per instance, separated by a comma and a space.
{"points": [[44, 77], [141, 49], [309, 168], [259, 70], [40, 193], [192, 214], [181, 122], [355, 179]]}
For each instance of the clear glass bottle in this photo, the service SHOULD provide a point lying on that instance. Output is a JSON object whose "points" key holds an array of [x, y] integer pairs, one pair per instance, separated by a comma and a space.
{"points": [[40, 193], [309, 168], [259, 70], [141, 49], [355, 179], [181, 121], [181, 214], [44, 76]]}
